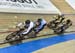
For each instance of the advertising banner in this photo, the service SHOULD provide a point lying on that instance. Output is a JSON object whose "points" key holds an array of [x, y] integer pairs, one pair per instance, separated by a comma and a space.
{"points": [[28, 6]]}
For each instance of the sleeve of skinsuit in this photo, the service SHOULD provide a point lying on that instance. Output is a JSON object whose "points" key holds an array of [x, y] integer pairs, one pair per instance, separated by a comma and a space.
{"points": [[42, 23], [19, 25], [29, 28]]}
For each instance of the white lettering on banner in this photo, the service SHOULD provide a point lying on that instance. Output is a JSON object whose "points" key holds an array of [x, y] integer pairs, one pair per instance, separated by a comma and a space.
{"points": [[27, 6]]}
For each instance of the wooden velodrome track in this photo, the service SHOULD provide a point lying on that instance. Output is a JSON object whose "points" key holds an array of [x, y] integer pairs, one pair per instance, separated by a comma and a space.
{"points": [[8, 21]]}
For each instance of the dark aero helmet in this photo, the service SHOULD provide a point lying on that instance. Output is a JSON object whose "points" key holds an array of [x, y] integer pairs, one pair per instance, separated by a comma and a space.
{"points": [[39, 20], [27, 22]]}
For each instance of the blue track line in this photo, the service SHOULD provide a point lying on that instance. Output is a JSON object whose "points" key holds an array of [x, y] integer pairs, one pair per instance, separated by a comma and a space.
{"points": [[31, 46]]}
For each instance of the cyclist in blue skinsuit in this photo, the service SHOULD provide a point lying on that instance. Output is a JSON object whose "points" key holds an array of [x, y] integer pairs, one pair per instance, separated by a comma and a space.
{"points": [[40, 23]]}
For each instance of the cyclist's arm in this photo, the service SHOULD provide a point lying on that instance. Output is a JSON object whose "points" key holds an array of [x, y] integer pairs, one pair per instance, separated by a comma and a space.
{"points": [[29, 28]]}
